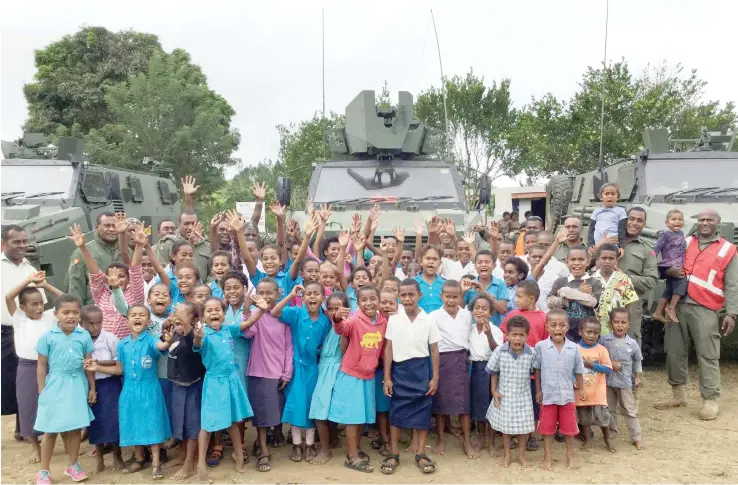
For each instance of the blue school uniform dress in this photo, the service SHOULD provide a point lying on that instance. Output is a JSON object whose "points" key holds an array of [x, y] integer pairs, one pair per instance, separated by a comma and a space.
{"points": [[224, 399], [283, 279], [62, 405], [241, 345], [430, 299], [353, 299], [142, 411], [307, 336], [174, 293], [498, 289], [216, 290], [328, 367]]}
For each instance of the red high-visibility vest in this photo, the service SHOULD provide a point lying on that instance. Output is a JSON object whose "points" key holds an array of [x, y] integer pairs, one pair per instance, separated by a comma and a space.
{"points": [[705, 271]]}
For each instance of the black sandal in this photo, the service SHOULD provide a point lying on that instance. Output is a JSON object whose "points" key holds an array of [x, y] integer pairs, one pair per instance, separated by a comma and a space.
{"points": [[364, 456], [134, 466], [264, 467], [428, 467], [297, 453], [156, 473], [387, 467], [358, 464], [377, 443], [532, 444]]}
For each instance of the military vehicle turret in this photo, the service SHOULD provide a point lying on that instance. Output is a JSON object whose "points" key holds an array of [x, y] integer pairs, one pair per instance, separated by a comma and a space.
{"points": [[385, 157], [685, 174], [46, 189]]}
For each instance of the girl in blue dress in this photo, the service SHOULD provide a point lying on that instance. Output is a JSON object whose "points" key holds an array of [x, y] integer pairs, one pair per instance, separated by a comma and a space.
{"points": [[328, 367], [137, 358], [65, 391], [430, 283], [224, 400], [309, 327]]}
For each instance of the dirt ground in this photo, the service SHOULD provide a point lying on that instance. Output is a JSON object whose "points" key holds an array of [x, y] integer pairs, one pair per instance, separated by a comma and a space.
{"points": [[679, 449]]}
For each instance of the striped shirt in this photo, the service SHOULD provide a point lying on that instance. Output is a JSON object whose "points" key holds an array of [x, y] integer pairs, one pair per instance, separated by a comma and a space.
{"points": [[113, 321]]}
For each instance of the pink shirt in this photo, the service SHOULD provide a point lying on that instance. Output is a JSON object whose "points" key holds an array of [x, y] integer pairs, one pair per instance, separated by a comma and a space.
{"points": [[271, 349], [366, 344], [113, 321], [350, 252]]}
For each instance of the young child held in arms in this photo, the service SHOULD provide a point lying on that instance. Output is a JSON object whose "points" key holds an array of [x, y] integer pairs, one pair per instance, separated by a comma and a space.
{"points": [[673, 247], [557, 359], [593, 410], [608, 220], [626, 358]]}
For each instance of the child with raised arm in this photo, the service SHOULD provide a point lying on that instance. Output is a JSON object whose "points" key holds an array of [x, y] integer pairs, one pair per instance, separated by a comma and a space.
{"points": [[557, 359], [30, 322], [141, 394], [66, 390]]}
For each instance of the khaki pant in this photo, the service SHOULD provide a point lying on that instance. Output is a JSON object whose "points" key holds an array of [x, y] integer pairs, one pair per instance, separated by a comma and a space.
{"points": [[626, 400], [700, 325], [635, 312]]}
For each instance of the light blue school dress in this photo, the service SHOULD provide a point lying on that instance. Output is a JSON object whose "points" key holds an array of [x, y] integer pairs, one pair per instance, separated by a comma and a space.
{"points": [[353, 299], [498, 289], [224, 399], [142, 411], [216, 290], [241, 345], [62, 405], [307, 336], [328, 367], [430, 298], [283, 279]]}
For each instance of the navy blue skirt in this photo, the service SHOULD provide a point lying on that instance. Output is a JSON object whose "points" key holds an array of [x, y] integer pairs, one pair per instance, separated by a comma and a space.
{"points": [[409, 406], [266, 400], [481, 392], [104, 428], [186, 404]]}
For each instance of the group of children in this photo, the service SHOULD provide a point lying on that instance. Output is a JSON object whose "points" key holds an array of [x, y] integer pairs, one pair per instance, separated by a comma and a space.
{"points": [[318, 342]]}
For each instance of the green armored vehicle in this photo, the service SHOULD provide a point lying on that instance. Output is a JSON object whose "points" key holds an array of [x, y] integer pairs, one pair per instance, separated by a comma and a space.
{"points": [[385, 157], [46, 189], [689, 175]]}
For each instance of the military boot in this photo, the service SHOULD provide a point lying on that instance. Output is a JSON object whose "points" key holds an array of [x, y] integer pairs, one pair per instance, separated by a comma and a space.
{"points": [[710, 409], [676, 400]]}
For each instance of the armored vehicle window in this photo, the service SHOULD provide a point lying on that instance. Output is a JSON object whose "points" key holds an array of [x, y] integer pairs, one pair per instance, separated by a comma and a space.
{"points": [[135, 184], [95, 186], [337, 183], [671, 175], [33, 179]]}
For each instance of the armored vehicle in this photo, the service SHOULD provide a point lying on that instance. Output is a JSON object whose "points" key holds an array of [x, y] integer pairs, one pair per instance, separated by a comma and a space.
{"points": [[385, 157], [46, 189], [689, 175]]}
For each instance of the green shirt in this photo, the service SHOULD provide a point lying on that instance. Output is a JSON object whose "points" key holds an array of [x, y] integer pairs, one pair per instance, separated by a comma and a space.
{"points": [[639, 263], [202, 253], [78, 282]]}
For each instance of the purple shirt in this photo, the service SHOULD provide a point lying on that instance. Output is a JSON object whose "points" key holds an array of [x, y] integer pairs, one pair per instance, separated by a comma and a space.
{"points": [[673, 247], [271, 349]]}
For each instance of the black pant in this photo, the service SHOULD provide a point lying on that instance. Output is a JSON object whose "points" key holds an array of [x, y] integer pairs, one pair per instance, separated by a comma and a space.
{"points": [[9, 367]]}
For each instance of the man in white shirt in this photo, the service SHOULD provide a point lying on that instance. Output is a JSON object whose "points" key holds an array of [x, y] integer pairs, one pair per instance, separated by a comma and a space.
{"points": [[553, 270], [463, 264], [14, 268]]}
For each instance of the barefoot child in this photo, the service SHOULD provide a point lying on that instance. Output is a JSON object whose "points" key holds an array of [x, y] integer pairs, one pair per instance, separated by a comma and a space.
{"points": [[66, 390], [453, 397], [512, 410], [412, 337], [309, 326], [141, 394], [269, 370], [483, 339], [626, 358], [104, 428], [352, 401], [557, 359], [224, 401], [328, 366], [593, 411], [30, 322], [673, 247]]}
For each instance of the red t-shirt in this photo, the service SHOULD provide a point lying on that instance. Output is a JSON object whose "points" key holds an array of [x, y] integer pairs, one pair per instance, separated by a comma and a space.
{"points": [[366, 344], [537, 320]]}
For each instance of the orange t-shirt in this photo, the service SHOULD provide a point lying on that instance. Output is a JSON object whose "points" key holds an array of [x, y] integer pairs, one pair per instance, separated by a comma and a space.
{"points": [[520, 244], [595, 383]]}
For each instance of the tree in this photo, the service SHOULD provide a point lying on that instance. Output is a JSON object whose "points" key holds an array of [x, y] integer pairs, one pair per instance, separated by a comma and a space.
{"points": [[479, 119], [168, 114], [73, 73]]}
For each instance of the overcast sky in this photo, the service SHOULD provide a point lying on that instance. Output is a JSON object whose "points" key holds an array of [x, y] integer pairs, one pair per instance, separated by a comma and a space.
{"points": [[265, 59]]}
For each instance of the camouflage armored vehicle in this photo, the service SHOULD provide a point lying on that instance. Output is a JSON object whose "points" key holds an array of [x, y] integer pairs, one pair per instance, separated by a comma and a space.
{"points": [[46, 189], [689, 175], [385, 157]]}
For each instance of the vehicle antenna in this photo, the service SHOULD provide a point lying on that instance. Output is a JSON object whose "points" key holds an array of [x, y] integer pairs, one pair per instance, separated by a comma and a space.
{"points": [[325, 145], [443, 85], [601, 162]]}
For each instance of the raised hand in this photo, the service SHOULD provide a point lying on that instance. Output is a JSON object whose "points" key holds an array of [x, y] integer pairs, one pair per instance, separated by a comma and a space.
{"points": [[188, 185], [450, 227], [310, 207], [561, 236], [434, 226], [297, 290], [277, 209], [374, 212], [199, 331], [167, 335], [493, 230], [383, 245], [356, 223], [216, 220], [235, 220], [325, 212], [38, 278], [258, 190], [399, 234], [359, 242], [311, 225], [196, 234], [466, 284], [469, 239], [419, 226], [343, 238], [75, 234], [121, 225], [113, 280], [341, 314], [486, 328], [259, 302], [140, 237]]}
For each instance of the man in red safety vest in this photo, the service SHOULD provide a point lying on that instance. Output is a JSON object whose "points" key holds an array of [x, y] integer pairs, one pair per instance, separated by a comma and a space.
{"points": [[712, 272]]}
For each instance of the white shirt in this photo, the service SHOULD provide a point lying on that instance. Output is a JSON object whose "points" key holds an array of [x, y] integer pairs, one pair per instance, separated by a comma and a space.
{"points": [[399, 273], [553, 270], [454, 270], [12, 276], [27, 332], [454, 331], [479, 350], [411, 340], [106, 348], [499, 271]]}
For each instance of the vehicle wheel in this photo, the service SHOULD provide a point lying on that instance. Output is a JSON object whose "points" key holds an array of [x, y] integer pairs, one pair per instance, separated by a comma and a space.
{"points": [[559, 189]]}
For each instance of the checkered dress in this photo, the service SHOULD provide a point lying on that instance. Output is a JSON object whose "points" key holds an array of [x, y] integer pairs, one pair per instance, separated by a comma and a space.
{"points": [[515, 414]]}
